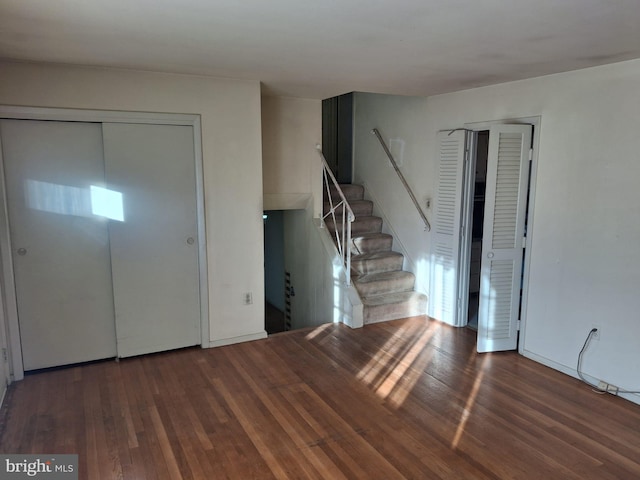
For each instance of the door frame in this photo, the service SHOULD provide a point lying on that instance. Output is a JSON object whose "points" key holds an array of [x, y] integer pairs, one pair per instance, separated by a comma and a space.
{"points": [[468, 186], [98, 116]]}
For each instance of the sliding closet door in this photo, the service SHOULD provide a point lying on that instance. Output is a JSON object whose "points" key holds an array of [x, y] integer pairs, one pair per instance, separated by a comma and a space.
{"points": [[59, 241], [154, 247]]}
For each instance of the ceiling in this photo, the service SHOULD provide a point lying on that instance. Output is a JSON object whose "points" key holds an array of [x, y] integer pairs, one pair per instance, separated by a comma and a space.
{"points": [[322, 48]]}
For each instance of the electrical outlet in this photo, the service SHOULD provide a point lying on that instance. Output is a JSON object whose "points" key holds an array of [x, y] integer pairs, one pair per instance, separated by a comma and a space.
{"points": [[596, 335], [248, 298]]}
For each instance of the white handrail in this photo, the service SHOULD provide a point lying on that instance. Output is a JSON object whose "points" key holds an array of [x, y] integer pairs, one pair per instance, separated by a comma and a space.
{"points": [[427, 225], [343, 238]]}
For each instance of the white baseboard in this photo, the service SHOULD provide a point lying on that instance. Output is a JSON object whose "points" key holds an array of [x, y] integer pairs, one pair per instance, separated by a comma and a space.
{"points": [[572, 372], [240, 339]]}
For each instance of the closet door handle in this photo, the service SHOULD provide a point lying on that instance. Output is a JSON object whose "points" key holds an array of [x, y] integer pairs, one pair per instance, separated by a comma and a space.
{"points": [[22, 252], [190, 241], [490, 255]]}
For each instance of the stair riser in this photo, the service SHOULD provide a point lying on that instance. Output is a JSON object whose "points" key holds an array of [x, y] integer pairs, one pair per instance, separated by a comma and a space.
{"points": [[383, 313], [351, 192], [376, 265], [383, 287], [385, 290], [360, 208], [359, 226], [371, 245]]}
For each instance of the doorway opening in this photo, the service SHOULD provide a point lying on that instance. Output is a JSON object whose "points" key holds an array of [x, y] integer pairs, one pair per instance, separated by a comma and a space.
{"points": [[497, 196], [477, 216], [504, 267], [274, 271]]}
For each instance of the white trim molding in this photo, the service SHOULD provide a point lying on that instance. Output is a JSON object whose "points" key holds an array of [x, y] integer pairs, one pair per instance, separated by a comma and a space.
{"points": [[101, 116]]}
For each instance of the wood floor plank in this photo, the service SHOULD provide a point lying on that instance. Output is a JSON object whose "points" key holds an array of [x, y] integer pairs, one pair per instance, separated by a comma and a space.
{"points": [[363, 411], [253, 430], [401, 399]]}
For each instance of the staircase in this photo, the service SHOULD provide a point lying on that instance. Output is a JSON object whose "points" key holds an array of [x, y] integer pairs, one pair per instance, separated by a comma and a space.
{"points": [[387, 291]]}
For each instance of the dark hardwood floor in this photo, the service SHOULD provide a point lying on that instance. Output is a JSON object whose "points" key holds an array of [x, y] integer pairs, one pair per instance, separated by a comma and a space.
{"points": [[404, 399]]}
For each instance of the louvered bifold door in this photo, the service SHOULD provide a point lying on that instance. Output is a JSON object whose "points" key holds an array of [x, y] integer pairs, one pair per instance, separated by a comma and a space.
{"points": [[445, 244], [503, 237]]}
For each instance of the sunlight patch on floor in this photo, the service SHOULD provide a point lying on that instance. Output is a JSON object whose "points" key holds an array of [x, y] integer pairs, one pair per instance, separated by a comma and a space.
{"points": [[397, 366], [317, 331], [399, 383], [385, 355], [471, 400]]}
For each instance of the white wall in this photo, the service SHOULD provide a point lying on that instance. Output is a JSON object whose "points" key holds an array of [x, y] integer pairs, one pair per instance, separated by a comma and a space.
{"points": [[291, 128], [317, 275], [401, 122], [232, 161], [585, 260]]}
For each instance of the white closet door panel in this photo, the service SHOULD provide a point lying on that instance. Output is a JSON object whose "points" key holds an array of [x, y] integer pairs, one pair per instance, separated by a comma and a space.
{"points": [[60, 247], [154, 248], [445, 249], [502, 244]]}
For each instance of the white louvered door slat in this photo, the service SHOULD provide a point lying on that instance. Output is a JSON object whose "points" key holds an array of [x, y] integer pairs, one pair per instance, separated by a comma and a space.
{"points": [[445, 251], [502, 249]]}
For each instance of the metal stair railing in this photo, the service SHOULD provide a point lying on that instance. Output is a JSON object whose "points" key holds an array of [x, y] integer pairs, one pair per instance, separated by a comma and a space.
{"points": [[427, 225], [340, 204]]}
